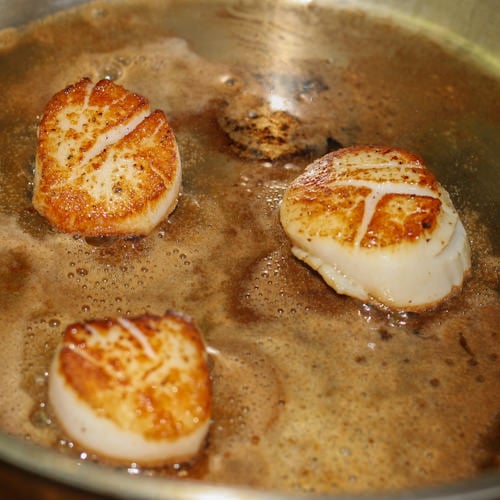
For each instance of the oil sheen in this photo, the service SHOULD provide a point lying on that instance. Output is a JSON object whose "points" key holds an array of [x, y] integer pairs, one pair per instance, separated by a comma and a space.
{"points": [[313, 392]]}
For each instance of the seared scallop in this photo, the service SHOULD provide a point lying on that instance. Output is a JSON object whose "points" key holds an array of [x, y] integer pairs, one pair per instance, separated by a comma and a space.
{"points": [[378, 226], [104, 165], [133, 389]]}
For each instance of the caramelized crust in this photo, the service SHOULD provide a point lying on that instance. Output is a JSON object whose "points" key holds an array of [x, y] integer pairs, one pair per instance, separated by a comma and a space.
{"points": [[147, 375], [366, 196], [104, 167], [400, 217]]}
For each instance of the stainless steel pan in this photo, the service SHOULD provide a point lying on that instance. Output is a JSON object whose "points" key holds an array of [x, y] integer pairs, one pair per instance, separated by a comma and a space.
{"points": [[313, 393]]}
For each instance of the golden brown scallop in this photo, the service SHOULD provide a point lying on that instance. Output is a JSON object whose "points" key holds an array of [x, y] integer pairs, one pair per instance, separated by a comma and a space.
{"points": [[104, 165], [378, 226], [133, 389]]}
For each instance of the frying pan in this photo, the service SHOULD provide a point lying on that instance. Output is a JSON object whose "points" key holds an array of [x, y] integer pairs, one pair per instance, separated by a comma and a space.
{"points": [[331, 397]]}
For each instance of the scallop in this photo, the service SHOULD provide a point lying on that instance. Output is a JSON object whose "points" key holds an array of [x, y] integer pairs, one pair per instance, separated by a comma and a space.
{"points": [[133, 390], [105, 165], [377, 225]]}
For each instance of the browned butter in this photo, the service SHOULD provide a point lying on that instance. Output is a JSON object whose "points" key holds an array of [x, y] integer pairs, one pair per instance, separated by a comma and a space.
{"points": [[313, 392]]}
